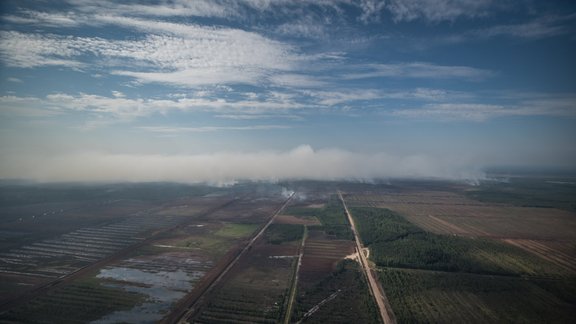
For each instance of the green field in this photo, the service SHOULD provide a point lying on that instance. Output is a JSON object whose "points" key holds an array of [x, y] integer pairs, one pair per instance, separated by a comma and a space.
{"points": [[443, 278], [332, 217], [545, 192], [441, 297], [395, 242]]}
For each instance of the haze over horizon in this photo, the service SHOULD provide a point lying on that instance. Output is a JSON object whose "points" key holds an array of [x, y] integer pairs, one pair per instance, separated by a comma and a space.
{"points": [[221, 90]]}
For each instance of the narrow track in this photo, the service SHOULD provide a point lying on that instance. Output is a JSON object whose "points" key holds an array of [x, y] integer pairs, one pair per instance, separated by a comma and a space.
{"points": [[386, 314], [294, 286], [190, 304]]}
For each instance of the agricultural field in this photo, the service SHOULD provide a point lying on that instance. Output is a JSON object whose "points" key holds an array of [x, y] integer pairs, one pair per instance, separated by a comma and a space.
{"points": [[330, 215], [443, 252], [341, 297], [444, 297], [157, 253], [432, 277], [257, 288], [331, 288], [547, 231]]}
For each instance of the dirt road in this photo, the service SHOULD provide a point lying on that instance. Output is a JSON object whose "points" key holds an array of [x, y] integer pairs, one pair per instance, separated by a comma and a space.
{"points": [[385, 311], [292, 296]]}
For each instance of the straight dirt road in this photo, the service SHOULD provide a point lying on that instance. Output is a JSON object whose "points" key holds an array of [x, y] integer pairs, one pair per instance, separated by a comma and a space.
{"points": [[292, 296], [385, 311]]}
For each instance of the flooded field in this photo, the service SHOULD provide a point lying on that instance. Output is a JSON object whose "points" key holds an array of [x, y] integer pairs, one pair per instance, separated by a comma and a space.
{"points": [[163, 279]]}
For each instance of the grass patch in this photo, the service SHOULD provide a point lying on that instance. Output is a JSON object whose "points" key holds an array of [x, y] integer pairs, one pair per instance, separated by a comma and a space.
{"points": [[231, 230]]}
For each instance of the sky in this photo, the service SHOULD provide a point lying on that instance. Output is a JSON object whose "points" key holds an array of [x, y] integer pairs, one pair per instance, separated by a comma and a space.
{"points": [[222, 90]]}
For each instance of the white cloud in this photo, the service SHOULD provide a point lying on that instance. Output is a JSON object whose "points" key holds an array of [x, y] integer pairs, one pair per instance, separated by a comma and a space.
{"points": [[302, 162], [304, 28], [199, 56], [371, 10], [417, 70], [49, 19], [257, 116], [438, 10], [539, 28], [32, 50], [201, 8], [11, 106], [208, 129], [557, 107], [121, 108], [331, 98]]}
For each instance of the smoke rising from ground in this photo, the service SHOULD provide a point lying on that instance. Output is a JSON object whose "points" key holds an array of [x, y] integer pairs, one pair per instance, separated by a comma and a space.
{"points": [[221, 168]]}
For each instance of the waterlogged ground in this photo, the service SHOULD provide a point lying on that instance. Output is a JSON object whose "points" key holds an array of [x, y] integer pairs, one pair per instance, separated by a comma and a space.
{"points": [[162, 284]]}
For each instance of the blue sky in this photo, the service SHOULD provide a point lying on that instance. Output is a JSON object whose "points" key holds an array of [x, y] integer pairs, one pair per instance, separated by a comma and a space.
{"points": [[220, 90]]}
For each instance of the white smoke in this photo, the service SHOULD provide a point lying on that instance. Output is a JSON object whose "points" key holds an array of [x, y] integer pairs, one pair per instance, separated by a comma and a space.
{"points": [[300, 163]]}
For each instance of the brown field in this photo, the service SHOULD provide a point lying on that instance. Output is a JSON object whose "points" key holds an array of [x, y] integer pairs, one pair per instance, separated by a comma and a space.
{"points": [[247, 211], [290, 219], [321, 256]]}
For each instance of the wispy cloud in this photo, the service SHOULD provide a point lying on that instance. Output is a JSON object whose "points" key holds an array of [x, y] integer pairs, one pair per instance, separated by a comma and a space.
{"points": [[541, 27], [417, 70], [122, 108], [439, 10], [48, 19], [207, 129], [545, 106]]}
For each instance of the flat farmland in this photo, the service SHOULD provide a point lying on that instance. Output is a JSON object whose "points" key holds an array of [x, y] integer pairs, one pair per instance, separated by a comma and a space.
{"points": [[546, 232], [110, 260], [331, 288], [340, 297], [451, 213], [256, 289], [321, 255], [438, 278], [441, 297]]}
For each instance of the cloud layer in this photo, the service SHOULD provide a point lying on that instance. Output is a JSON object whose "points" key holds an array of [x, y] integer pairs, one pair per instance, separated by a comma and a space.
{"points": [[300, 163]]}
